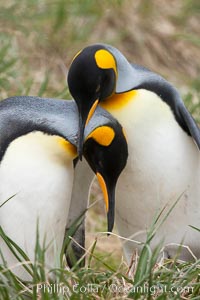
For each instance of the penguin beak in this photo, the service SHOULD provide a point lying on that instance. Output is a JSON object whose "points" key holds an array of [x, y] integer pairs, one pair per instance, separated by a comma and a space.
{"points": [[84, 118], [109, 198]]}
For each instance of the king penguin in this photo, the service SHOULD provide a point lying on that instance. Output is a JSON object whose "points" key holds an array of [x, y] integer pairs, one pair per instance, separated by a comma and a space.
{"points": [[163, 141], [38, 140]]}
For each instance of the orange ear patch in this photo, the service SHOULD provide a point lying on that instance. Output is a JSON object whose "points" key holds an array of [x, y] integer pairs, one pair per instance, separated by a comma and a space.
{"points": [[103, 135], [105, 60]]}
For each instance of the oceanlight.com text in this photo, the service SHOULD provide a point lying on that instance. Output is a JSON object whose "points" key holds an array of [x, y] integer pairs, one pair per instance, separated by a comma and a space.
{"points": [[113, 288]]}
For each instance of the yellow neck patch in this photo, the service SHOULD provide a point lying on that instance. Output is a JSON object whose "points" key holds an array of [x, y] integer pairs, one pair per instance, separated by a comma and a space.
{"points": [[103, 135], [117, 101], [105, 60], [71, 149]]}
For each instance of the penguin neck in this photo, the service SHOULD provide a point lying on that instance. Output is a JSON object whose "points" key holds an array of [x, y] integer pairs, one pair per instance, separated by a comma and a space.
{"points": [[151, 83], [118, 102], [138, 109], [161, 91]]}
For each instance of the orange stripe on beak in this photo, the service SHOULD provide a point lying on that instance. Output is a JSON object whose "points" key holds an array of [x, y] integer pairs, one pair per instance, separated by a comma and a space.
{"points": [[92, 109], [104, 190]]}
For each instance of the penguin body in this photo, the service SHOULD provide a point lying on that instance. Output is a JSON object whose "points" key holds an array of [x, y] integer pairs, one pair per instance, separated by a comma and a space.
{"points": [[163, 141], [37, 170], [163, 166], [37, 150], [39, 173]]}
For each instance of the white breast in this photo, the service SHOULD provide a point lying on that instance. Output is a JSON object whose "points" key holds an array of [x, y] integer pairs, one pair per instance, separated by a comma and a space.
{"points": [[163, 164], [40, 172]]}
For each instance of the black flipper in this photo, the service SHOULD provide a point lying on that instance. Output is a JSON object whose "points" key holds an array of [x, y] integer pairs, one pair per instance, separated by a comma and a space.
{"points": [[190, 123]]}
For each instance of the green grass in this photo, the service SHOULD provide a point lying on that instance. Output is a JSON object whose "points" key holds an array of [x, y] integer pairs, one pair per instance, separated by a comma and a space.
{"points": [[149, 278]]}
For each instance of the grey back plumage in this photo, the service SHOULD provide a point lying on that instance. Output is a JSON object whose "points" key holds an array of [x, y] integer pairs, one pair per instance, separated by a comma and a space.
{"points": [[24, 114]]}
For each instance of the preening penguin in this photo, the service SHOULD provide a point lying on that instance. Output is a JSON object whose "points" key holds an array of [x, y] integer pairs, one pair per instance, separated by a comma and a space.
{"points": [[163, 141], [37, 147]]}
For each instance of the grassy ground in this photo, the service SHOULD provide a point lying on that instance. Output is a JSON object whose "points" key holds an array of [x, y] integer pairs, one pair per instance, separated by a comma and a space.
{"points": [[38, 40]]}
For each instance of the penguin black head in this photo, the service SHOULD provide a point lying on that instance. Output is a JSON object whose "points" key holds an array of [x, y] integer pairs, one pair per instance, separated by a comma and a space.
{"points": [[106, 151], [99, 72], [92, 77]]}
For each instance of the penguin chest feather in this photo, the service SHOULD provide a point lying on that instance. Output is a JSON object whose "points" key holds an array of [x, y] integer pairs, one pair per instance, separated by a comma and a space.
{"points": [[38, 170], [163, 165]]}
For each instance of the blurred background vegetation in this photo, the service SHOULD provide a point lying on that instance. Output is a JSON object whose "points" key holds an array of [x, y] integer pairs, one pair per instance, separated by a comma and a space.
{"points": [[38, 39]]}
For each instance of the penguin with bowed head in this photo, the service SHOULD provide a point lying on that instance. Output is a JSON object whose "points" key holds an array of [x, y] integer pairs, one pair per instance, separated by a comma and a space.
{"points": [[38, 140], [163, 140]]}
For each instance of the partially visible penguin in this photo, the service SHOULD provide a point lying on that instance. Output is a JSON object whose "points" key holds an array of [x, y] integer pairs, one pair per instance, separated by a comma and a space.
{"points": [[37, 148], [163, 141]]}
